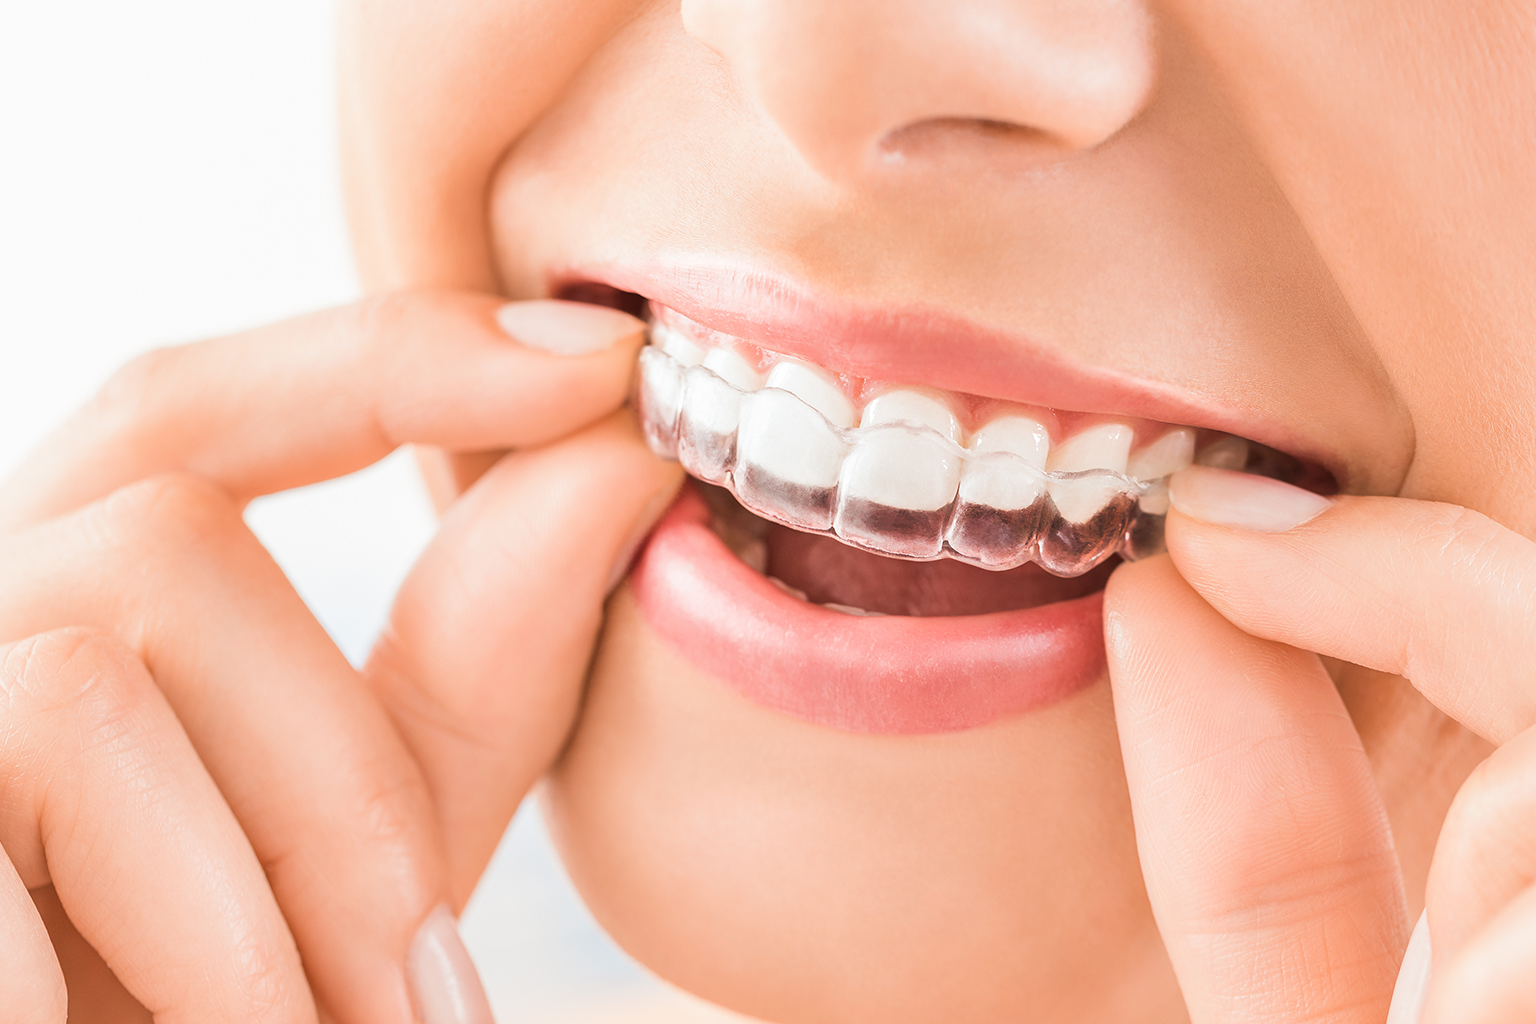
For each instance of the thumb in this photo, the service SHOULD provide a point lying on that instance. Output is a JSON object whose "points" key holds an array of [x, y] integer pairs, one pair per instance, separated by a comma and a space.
{"points": [[1264, 844]]}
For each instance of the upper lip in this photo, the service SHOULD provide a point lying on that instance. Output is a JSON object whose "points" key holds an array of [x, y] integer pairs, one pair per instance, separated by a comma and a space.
{"points": [[923, 345]]}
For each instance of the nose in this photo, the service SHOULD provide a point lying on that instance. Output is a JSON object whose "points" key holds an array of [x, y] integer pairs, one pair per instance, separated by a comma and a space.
{"points": [[861, 83]]}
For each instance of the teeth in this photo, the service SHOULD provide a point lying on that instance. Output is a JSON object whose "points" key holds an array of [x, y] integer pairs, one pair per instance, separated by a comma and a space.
{"points": [[1105, 446], [848, 609], [1163, 457], [896, 489], [816, 388], [677, 345], [1225, 453], [1018, 435], [787, 460], [729, 366], [706, 431], [900, 476], [919, 408]]}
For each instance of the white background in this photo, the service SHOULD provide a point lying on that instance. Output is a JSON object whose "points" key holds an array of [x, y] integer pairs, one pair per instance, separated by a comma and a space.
{"points": [[167, 172]]}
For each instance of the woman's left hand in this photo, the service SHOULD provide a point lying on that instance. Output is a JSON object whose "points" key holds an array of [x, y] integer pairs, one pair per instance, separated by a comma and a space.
{"points": [[1263, 835]]}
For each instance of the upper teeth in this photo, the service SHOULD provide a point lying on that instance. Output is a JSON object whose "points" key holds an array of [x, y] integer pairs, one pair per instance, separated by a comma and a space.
{"points": [[902, 475]]}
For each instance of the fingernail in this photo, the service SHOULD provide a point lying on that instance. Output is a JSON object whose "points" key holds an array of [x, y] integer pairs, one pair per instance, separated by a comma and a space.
{"points": [[1413, 978], [566, 328], [443, 979], [1242, 500]]}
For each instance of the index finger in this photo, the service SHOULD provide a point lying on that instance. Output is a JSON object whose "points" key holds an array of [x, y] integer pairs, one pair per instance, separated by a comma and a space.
{"points": [[1436, 593], [329, 393], [1263, 840]]}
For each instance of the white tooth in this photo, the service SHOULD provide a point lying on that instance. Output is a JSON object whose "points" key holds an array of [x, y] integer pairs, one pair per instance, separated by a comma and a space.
{"points": [[816, 388], [729, 366], [901, 468], [1079, 500], [1168, 454], [677, 344], [661, 396], [1102, 446], [896, 489], [710, 415], [1224, 453], [908, 405], [1018, 435], [794, 592], [1155, 501], [998, 481], [848, 609], [787, 460]]}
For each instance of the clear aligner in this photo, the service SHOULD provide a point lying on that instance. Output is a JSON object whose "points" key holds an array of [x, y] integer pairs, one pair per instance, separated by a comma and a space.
{"points": [[900, 477]]}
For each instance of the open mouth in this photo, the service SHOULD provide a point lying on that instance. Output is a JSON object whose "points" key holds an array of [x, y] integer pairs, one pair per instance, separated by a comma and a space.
{"points": [[886, 557]]}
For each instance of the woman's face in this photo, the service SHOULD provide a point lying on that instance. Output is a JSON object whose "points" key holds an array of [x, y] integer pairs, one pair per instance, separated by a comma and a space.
{"points": [[1304, 223]]}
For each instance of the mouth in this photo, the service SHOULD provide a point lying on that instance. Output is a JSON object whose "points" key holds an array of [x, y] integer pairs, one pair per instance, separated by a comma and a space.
{"points": [[879, 555]]}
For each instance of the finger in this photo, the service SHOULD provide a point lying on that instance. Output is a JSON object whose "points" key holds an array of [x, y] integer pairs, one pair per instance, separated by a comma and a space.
{"points": [[332, 392], [95, 993], [105, 799], [1436, 593], [1486, 856], [1265, 847], [1489, 980], [489, 639], [310, 764], [29, 972]]}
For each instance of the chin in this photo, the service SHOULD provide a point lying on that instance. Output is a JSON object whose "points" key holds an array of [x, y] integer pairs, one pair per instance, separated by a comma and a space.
{"points": [[794, 871]]}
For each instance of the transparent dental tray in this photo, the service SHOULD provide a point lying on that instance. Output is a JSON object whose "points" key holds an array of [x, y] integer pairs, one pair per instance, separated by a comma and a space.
{"points": [[898, 489]]}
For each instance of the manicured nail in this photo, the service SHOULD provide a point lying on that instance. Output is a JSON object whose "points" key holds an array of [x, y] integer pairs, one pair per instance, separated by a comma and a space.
{"points": [[566, 328], [1413, 978], [443, 979], [1242, 500]]}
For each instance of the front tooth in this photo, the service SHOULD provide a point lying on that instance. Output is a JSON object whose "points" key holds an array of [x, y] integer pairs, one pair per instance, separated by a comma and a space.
{"points": [[895, 491], [677, 344], [1091, 512], [1163, 457], [707, 425], [731, 367], [788, 459], [1018, 435], [1002, 492], [1103, 446], [816, 388], [1224, 453], [909, 405], [660, 400]]}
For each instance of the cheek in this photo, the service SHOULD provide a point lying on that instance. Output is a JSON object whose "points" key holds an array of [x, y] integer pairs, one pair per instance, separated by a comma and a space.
{"points": [[797, 873]]}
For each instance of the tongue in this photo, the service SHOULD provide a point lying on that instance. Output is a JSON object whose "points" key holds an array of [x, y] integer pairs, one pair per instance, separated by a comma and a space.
{"points": [[831, 571]]}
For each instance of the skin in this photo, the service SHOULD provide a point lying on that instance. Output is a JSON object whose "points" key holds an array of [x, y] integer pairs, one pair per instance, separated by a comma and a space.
{"points": [[1318, 214], [1250, 201]]}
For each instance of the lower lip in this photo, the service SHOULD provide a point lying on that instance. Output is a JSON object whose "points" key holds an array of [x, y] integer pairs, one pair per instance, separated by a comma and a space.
{"points": [[893, 675]]}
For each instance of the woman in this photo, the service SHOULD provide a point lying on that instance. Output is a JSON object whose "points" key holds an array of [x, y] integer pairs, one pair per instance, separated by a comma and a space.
{"points": [[1299, 227]]}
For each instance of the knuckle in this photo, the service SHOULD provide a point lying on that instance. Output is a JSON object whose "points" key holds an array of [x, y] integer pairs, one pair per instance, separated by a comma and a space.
{"points": [[178, 510], [128, 396], [76, 674]]}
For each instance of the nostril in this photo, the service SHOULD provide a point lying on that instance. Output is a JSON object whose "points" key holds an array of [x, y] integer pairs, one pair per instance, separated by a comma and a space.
{"points": [[992, 140]]}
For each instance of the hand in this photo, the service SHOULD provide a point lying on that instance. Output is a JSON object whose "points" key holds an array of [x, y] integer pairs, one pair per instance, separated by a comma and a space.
{"points": [[229, 814], [1263, 836]]}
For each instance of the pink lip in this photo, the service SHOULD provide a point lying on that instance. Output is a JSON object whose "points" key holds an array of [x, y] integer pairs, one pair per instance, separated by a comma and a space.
{"points": [[922, 345], [892, 675]]}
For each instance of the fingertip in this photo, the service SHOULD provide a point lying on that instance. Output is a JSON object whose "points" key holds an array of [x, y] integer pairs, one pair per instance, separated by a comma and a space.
{"points": [[569, 328]]}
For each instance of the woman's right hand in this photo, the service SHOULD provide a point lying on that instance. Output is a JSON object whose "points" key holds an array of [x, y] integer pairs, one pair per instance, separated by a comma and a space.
{"points": [[214, 814]]}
